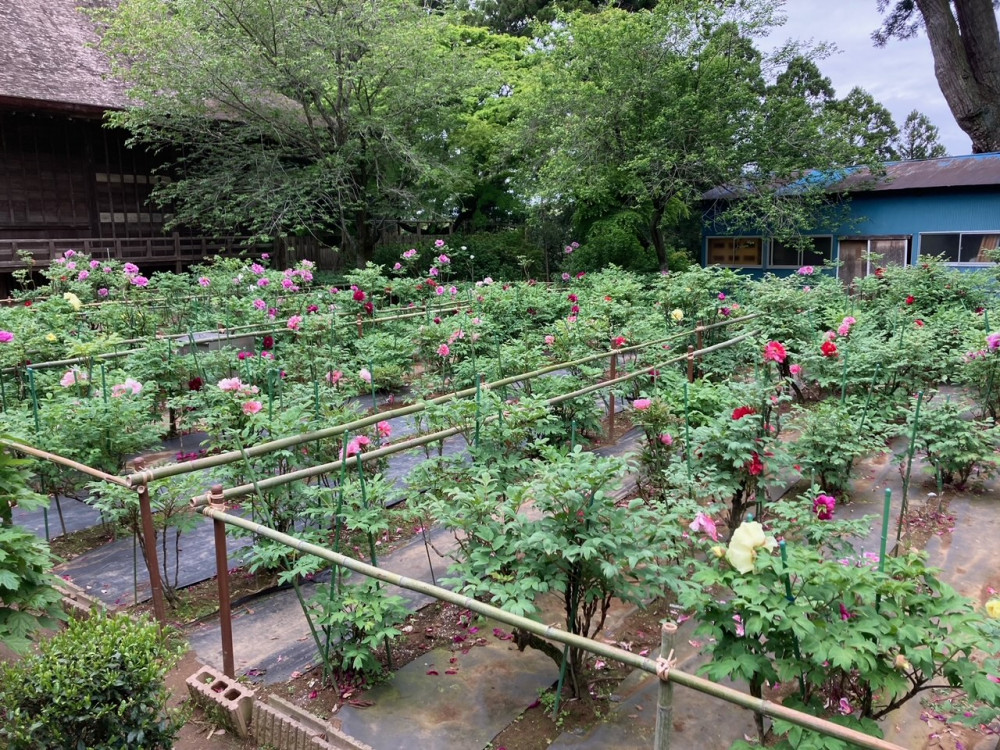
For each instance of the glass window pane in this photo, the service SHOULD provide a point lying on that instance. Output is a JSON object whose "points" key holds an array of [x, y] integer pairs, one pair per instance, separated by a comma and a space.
{"points": [[976, 247], [783, 255], [720, 251], [940, 244], [747, 251], [821, 251]]}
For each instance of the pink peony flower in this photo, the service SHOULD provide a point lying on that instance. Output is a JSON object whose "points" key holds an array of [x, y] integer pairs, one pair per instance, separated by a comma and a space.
{"points": [[230, 384], [83, 275], [384, 429], [365, 375], [443, 350], [642, 404], [252, 407], [204, 281], [294, 322], [139, 281], [129, 386], [795, 369], [667, 439], [438, 243], [550, 340], [775, 352], [102, 292], [6, 337], [705, 524], [73, 377]]}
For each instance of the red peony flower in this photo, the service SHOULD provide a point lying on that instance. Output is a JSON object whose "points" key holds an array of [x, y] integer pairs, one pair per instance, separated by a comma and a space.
{"points": [[27, 303], [369, 308], [195, 384], [359, 296], [920, 323], [909, 300], [829, 349], [619, 342], [268, 343], [755, 466], [743, 411]]}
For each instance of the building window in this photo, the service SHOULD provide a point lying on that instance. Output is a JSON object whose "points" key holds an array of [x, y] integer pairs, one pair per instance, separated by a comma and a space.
{"points": [[960, 247], [814, 251], [735, 251]]}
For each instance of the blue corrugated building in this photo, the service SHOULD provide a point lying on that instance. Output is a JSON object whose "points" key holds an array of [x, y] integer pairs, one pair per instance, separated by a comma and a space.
{"points": [[948, 206]]}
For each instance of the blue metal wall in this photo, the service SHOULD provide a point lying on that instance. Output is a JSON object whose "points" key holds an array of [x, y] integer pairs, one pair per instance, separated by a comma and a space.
{"points": [[887, 213]]}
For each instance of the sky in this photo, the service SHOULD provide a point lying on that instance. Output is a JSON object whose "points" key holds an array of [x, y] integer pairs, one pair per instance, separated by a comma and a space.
{"points": [[899, 75]]}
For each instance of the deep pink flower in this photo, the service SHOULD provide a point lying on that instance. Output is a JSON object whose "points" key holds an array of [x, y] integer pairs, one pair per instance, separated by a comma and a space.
{"points": [[667, 439], [775, 352], [844, 614], [384, 429], [823, 507], [795, 369], [443, 350]]}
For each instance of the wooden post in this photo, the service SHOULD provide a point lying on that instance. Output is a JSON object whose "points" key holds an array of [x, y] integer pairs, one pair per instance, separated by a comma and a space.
{"points": [[611, 398], [665, 699], [149, 538], [690, 364], [218, 502], [361, 328]]}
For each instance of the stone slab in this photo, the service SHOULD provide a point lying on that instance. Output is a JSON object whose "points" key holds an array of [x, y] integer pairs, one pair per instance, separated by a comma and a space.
{"points": [[463, 711]]}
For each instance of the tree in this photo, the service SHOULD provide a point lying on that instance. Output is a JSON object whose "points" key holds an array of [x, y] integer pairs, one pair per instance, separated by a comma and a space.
{"points": [[918, 139], [634, 116], [860, 121], [965, 42], [297, 117]]}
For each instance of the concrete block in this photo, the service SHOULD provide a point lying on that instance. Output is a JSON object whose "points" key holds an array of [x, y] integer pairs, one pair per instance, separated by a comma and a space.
{"points": [[288, 727], [221, 696]]}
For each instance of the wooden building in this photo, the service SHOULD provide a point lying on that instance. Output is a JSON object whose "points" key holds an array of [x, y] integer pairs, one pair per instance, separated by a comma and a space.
{"points": [[66, 180], [948, 207]]}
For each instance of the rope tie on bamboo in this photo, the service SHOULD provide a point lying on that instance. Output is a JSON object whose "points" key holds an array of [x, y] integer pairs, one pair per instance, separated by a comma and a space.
{"points": [[664, 665]]}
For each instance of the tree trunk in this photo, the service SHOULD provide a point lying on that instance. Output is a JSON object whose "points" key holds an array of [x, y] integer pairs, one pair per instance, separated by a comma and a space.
{"points": [[656, 237], [966, 48]]}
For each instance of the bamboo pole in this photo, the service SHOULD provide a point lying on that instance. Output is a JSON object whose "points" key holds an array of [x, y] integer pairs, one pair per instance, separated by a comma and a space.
{"points": [[665, 697], [552, 633], [69, 463], [169, 470], [276, 481]]}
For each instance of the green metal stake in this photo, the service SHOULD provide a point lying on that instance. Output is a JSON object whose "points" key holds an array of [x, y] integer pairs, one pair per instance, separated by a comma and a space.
{"points": [[34, 398], [270, 395], [572, 435], [868, 398], [791, 599], [843, 380], [479, 382], [371, 369], [3, 393], [887, 505], [909, 465]]}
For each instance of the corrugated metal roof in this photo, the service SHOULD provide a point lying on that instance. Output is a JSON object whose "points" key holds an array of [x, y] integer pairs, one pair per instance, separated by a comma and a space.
{"points": [[45, 55], [948, 171], [971, 170]]}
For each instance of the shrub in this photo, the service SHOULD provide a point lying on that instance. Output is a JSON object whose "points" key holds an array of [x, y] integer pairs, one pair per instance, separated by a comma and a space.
{"points": [[98, 684]]}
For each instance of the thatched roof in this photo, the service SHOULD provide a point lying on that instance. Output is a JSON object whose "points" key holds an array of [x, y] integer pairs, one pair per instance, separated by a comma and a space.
{"points": [[45, 60]]}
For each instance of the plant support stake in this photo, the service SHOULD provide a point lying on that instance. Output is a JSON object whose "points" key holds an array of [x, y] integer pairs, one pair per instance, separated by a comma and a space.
{"points": [[909, 466]]}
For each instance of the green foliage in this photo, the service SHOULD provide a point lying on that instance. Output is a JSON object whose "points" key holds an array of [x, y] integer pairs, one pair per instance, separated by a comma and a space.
{"points": [[98, 684], [953, 443], [584, 547], [857, 637], [831, 438], [28, 598]]}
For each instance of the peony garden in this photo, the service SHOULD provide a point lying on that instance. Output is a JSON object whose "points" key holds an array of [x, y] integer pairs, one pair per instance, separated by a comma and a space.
{"points": [[692, 443]]}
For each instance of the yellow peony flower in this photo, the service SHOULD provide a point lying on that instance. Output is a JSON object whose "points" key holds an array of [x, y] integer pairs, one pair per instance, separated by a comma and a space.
{"points": [[901, 663], [747, 539], [719, 551], [993, 608], [50, 337], [677, 315], [73, 300]]}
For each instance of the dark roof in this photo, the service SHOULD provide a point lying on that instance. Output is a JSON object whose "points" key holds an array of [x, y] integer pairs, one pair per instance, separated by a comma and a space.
{"points": [[46, 60], [972, 170]]}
